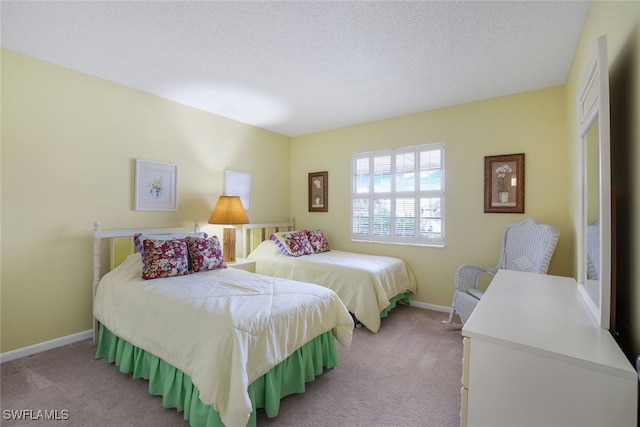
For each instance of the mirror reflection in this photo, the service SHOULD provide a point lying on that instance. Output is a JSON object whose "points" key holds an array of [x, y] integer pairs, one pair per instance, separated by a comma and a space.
{"points": [[594, 236], [593, 206]]}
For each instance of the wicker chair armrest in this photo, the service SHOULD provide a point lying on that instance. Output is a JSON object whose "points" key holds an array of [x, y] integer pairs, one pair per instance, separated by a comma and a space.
{"points": [[467, 276]]}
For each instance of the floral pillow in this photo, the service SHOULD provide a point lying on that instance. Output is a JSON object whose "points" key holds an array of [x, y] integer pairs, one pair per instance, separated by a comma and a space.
{"points": [[205, 254], [317, 241], [138, 238], [293, 243], [164, 258]]}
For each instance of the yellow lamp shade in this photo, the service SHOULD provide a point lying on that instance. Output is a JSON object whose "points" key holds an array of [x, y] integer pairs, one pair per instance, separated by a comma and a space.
{"points": [[229, 211]]}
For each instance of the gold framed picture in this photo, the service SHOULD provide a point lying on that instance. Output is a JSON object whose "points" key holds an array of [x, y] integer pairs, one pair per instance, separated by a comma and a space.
{"points": [[319, 192], [504, 183]]}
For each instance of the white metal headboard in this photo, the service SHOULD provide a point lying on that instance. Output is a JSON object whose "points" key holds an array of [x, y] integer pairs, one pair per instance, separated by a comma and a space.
{"points": [[125, 236], [254, 234]]}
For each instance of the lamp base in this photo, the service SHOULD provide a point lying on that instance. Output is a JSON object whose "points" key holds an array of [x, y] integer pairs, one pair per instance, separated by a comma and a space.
{"points": [[229, 244]]}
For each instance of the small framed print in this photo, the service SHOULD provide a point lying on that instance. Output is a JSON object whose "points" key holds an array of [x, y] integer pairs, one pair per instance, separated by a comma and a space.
{"points": [[504, 183], [156, 186], [238, 184], [319, 192]]}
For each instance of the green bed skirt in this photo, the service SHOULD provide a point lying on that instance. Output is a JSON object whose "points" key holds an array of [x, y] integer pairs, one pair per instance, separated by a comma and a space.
{"points": [[178, 391], [393, 302]]}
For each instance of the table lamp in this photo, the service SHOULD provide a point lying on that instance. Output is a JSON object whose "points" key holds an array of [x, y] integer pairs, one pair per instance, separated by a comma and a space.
{"points": [[229, 211]]}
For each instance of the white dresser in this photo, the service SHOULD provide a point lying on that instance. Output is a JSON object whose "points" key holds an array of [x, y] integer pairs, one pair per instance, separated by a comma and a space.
{"points": [[534, 356]]}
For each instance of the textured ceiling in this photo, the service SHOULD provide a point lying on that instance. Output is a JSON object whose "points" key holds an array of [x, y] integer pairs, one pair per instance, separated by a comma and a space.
{"points": [[301, 67]]}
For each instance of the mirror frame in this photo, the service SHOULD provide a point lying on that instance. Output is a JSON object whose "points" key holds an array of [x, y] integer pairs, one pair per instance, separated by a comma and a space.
{"points": [[593, 104]]}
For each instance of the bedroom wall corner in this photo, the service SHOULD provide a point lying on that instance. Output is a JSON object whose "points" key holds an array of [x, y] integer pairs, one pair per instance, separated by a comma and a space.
{"points": [[533, 123]]}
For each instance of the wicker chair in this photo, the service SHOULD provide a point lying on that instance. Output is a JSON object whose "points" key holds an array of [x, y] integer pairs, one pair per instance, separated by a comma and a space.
{"points": [[526, 246]]}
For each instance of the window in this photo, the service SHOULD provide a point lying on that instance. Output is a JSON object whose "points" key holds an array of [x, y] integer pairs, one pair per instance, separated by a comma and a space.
{"points": [[397, 196]]}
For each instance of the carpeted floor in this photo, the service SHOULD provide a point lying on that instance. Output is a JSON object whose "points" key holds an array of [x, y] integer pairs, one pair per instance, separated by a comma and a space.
{"points": [[408, 374]]}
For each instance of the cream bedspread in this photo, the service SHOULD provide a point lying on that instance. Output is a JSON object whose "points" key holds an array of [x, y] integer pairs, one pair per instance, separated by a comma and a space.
{"points": [[365, 283], [224, 328]]}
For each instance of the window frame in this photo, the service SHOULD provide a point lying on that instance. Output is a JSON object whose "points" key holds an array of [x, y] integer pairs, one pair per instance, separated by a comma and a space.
{"points": [[414, 195]]}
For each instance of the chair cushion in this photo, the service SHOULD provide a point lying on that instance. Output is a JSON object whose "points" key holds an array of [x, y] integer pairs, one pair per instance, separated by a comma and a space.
{"points": [[475, 292]]}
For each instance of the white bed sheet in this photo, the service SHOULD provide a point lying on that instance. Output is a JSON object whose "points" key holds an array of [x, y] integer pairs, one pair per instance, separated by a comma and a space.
{"points": [[365, 283], [224, 328]]}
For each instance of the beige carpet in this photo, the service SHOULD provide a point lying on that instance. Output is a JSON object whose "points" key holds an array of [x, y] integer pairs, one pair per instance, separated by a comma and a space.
{"points": [[406, 375]]}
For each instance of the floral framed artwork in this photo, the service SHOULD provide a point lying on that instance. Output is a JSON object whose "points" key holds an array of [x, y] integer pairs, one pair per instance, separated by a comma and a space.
{"points": [[156, 186], [319, 192], [504, 183]]}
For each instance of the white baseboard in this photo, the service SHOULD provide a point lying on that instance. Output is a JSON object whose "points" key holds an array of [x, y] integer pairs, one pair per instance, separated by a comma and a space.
{"points": [[428, 306], [44, 346]]}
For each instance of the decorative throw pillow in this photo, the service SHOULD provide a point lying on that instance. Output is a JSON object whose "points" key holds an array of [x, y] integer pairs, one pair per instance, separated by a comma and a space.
{"points": [[205, 254], [164, 258], [317, 241], [523, 264], [293, 243], [138, 238]]}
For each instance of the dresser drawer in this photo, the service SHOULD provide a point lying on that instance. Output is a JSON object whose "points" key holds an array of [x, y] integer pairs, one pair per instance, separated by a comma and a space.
{"points": [[464, 399]]}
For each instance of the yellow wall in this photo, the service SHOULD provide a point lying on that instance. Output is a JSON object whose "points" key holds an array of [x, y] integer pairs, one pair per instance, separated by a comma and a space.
{"points": [[620, 22], [533, 123], [69, 142]]}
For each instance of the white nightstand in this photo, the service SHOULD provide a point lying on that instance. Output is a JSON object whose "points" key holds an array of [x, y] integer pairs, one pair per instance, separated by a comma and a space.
{"points": [[243, 264]]}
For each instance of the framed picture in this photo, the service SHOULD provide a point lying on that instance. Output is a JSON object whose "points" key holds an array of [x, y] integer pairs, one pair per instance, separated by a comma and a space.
{"points": [[156, 186], [319, 192], [238, 184], [504, 183]]}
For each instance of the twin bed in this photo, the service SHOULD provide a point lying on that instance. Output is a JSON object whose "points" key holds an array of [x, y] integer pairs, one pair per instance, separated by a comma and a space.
{"points": [[369, 285], [218, 343]]}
